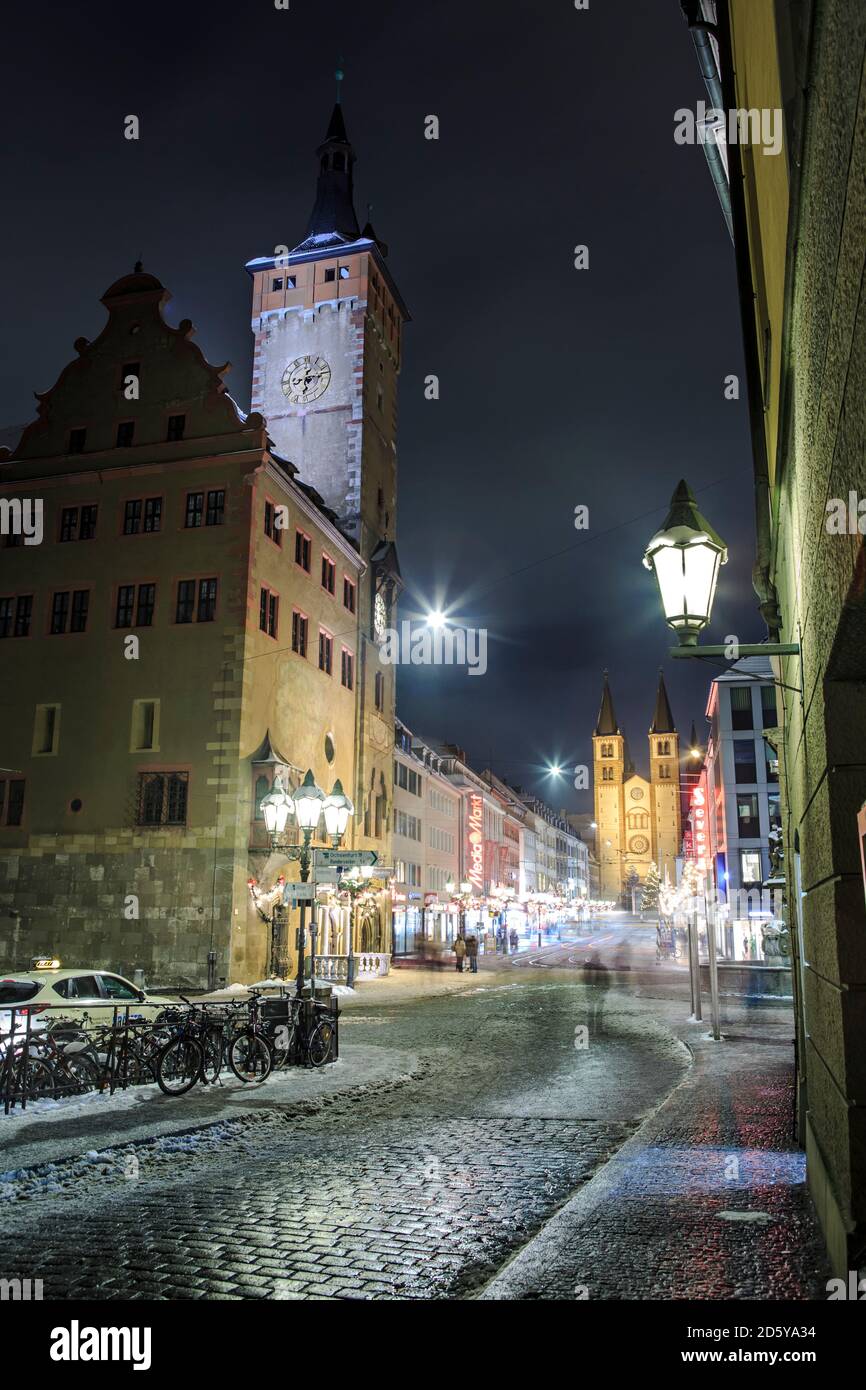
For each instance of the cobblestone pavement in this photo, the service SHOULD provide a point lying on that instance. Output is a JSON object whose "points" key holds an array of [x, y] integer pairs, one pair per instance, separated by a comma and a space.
{"points": [[425, 1189]]}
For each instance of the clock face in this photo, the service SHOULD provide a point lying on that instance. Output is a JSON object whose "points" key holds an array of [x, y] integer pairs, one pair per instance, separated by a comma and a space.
{"points": [[306, 379], [380, 615], [637, 793]]}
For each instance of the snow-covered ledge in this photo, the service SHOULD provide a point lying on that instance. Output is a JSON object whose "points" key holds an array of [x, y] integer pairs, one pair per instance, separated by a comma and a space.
{"points": [[369, 965]]}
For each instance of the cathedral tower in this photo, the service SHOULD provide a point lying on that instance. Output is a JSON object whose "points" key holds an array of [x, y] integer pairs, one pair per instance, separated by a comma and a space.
{"points": [[609, 755], [664, 749]]}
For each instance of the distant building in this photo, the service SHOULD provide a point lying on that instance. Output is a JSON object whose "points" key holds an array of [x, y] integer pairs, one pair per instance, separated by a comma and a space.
{"points": [[638, 821], [742, 781]]}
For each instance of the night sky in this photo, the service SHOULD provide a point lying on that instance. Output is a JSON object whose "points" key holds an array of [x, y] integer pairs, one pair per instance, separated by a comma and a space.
{"points": [[558, 386]]}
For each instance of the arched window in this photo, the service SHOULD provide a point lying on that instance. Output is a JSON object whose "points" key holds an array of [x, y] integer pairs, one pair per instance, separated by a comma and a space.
{"points": [[263, 786]]}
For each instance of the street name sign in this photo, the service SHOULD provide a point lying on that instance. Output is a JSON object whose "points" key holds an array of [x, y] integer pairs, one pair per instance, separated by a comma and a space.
{"points": [[344, 858]]}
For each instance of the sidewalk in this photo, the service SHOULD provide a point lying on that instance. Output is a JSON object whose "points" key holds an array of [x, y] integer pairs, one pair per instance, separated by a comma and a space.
{"points": [[707, 1200]]}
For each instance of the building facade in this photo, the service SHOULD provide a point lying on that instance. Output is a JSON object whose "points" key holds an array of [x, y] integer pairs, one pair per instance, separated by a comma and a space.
{"points": [[797, 220], [638, 821], [197, 620]]}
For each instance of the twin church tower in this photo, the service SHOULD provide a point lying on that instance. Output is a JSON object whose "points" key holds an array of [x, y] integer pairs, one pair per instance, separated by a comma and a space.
{"points": [[638, 821]]}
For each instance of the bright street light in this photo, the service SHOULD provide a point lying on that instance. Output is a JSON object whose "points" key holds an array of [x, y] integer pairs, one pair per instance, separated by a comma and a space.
{"points": [[685, 556]]}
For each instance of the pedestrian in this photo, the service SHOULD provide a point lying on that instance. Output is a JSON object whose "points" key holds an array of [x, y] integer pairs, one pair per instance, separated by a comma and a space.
{"points": [[459, 951], [472, 953], [514, 939]]}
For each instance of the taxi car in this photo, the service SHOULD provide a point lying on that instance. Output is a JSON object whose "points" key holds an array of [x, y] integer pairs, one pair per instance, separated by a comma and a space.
{"points": [[48, 992]]}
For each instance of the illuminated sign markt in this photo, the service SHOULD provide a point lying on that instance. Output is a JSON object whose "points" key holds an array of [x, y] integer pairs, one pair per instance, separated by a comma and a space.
{"points": [[475, 872]]}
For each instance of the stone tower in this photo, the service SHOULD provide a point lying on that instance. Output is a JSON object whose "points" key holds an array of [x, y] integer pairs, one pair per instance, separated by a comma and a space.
{"points": [[609, 758], [664, 749], [327, 321]]}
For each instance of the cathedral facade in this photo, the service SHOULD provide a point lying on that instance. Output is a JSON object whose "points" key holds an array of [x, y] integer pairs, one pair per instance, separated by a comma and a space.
{"points": [[638, 821]]}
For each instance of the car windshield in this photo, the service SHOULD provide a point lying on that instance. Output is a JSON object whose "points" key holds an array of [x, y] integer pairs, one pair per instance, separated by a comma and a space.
{"points": [[17, 991]]}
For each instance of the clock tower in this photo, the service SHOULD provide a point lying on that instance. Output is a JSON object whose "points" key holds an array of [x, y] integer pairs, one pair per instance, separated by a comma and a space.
{"points": [[327, 321]]}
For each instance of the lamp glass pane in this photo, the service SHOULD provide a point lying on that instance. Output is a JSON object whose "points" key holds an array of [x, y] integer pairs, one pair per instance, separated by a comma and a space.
{"points": [[668, 564], [700, 563], [308, 810]]}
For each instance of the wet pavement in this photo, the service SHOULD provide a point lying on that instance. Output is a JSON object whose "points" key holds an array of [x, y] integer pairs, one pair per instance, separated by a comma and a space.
{"points": [[521, 1159], [416, 1191]]}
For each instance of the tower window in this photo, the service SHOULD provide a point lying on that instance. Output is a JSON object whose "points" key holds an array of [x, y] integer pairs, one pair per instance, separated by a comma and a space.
{"points": [[344, 272], [340, 162], [176, 427], [277, 284], [379, 691], [125, 433], [77, 440], [330, 274]]}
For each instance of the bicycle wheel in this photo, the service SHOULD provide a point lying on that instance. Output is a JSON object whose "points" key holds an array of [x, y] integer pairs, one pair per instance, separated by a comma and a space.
{"points": [[179, 1066], [282, 1044], [250, 1058], [321, 1043], [83, 1071], [37, 1080], [213, 1055]]}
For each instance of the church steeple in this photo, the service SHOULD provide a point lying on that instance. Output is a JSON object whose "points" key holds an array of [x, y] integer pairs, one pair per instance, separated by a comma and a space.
{"points": [[607, 720], [333, 217], [663, 723]]}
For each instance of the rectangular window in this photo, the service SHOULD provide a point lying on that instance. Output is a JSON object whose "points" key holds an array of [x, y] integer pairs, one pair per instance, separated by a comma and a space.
{"points": [[23, 614], [745, 766], [80, 607], [146, 604], [59, 612], [768, 706], [132, 517], [185, 601], [299, 632], [750, 866], [69, 524], [329, 574], [748, 819], [162, 798], [276, 283], [330, 274], [125, 433], [326, 652], [216, 507], [348, 594], [741, 707], [46, 730], [303, 551], [347, 669], [176, 427], [125, 605], [14, 803], [87, 531], [272, 529], [207, 596], [15, 614], [144, 733], [268, 603], [77, 441], [772, 759], [152, 513], [194, 509], [379, 691]]}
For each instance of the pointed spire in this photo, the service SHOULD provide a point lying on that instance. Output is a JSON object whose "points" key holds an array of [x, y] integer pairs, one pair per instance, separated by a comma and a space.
{"points": [[663, 723], [333, 214], [693, 737], [607, 721]]}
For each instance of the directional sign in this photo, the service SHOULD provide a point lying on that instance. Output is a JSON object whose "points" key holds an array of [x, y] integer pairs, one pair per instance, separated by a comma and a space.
{"points": [[345, 858], [299, 892]]}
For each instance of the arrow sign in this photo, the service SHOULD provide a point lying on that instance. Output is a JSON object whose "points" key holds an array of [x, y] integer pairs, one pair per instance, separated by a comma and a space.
{"points": [[345, 858]]}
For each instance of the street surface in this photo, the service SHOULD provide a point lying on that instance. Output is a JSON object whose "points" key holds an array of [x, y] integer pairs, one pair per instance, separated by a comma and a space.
{"points": [[425, 1187]]}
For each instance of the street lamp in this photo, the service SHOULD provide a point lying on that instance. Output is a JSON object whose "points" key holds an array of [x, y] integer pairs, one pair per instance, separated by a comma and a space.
{"points": [[685, 556], [277, 806], [337, 809]]}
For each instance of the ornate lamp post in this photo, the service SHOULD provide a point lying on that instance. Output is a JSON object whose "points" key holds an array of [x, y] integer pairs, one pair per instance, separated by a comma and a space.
{"points": [[307, 805]]}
